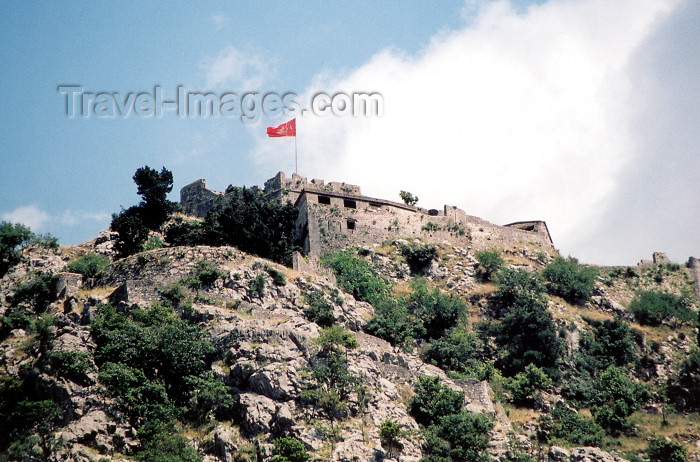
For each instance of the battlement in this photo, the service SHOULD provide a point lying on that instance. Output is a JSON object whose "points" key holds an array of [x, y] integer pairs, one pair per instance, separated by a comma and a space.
{"points": [[335, 215]]}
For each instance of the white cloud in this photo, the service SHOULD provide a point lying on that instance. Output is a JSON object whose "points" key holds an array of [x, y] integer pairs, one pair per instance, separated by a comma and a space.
{"points": [[28, 215], [241, 70], [218, 20], [74, 218], [517, 115]]}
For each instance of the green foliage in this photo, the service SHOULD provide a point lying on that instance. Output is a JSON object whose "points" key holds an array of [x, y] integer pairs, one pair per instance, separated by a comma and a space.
{"points": [[318, 309], [684, 391], [132, 232], [390, 434], [37, 293], [393, 322], [654, 307], [71, 364], [490, 262], [617, 398], [660, 449], [418, 256], [257, 284], [408, 198], [430, 227], [12, 236], [526, 385], [153, 187], [458, 350], [204, 274], [432, 401], [47, 241], [458, 437], [335, 337], [357, 276], [517, 288], [245, 219], [566, 425], [153, 243], [289, 449], [174, 294], [278, 277], [526, 333], [569, 279], [183, 232], [89, 264], [435, 311], [166, 446], [609, 343]]}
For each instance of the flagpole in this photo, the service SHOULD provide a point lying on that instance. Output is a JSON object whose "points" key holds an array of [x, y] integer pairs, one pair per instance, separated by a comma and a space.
{"points": [[296, 163]]}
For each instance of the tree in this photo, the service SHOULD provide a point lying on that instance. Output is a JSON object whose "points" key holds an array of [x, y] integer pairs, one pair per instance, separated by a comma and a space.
{"points": [[89, 264], [245, 219], [408, 198], [569, 279], [432, 400], [653, 307], [517, 288], [660, 449], [525, 386], [289, 449], [153, 187], [458, 350], [490, 262], [132, 231], [435, 311], [11, 237], [617, 398], [390, 434]]}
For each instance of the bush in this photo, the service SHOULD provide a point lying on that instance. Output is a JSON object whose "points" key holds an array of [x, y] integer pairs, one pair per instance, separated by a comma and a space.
{"points": [[278, 277], [389, 434], [318, 309], [38, 292], [653, 307], [458, 350], [12, 236], [517, 288], [357, 276], [245, 219], [73, 365], [408, 198], [394, 322], [418, 257], [610, 343], [490, 262], [565, 424], [432, 401], [569, 279], [617, 398], [660, 449], [89, 264], [525, 386], [435, 311], [132, 233], [289, 449]]}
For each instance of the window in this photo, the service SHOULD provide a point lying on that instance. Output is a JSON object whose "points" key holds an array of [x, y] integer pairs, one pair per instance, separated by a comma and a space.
{"points": [[351, 224], [349, 204], [324, 200]]}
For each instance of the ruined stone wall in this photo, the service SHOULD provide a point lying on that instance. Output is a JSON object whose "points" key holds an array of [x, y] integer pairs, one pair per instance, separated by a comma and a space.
{"points": [[694, 265], [197, 199], [333, 222]]}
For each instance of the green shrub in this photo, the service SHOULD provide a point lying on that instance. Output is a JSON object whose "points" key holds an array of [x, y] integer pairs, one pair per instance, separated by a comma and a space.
{"points": [[432, 401], [289, 449], [654, 307], [569, 279], [458, 350], [174, 294], [257, 284], [71, 364], [318, 309], [47, 241], [617, 398], [430, 227], [418, 256], [566, 425], [490, 262], [660, 449], [394, 322], [517, 288], [436, 312], [37, 293], [357, 276], [278, 277], [131, 230], [526, 386], [153, 243], [12, 236], [389, 434], [408, 198], [89, 264], [609, 343]]}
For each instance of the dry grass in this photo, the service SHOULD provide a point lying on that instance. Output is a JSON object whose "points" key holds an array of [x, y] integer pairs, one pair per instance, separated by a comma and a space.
{"points": [[681, 428]]}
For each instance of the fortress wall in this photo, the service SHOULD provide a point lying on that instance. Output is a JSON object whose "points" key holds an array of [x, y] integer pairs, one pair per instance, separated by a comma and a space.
{"points": [[197, 199], [694, 265]]}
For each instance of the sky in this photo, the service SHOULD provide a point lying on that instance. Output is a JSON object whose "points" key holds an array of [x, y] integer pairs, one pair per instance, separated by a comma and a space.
{"points": [[582, 113]]}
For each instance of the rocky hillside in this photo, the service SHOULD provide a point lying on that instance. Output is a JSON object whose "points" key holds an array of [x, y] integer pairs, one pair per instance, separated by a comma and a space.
{"points": [[209, 353]]}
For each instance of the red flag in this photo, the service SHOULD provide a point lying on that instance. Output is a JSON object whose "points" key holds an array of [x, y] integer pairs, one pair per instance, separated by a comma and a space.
{"points": [[286, 129]]}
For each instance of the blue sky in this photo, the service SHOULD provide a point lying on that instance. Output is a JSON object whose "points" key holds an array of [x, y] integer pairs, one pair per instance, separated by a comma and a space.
{"points": [[581, 112]]}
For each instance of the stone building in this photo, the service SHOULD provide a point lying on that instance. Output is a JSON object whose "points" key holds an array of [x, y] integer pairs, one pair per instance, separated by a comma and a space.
{"points": [[334, 215]]}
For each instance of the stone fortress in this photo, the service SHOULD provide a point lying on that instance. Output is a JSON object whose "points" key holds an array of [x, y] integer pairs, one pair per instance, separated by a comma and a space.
{"points": [[333, 216]]}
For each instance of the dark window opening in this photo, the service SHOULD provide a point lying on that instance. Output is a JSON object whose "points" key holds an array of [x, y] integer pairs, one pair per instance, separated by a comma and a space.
{"points": [[349, 204], [351, 224], [529, 228], [324, 200], [375, 204]]}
